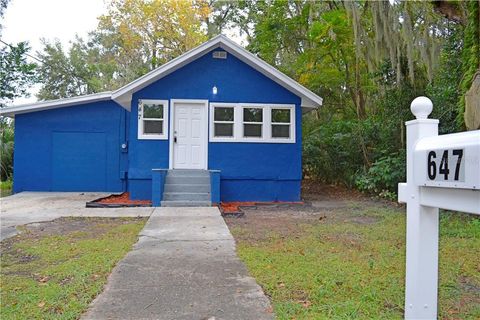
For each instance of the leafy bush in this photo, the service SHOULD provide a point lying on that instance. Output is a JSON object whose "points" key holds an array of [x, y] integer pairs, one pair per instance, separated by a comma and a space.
{"points": [[383, 176], [336, 151], [6, 151], [330, 152], [6, 185]]}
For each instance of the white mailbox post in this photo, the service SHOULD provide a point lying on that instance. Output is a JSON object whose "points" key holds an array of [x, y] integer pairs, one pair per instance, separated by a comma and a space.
{"points": [[442, 172]]}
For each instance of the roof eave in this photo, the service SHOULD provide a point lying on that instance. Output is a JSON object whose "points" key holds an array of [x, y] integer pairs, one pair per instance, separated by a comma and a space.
{"points": [[54, 104]]}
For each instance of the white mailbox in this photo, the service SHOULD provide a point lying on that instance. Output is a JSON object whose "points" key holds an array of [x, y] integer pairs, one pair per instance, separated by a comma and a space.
{"points": [[449, 161], [442, 172]]}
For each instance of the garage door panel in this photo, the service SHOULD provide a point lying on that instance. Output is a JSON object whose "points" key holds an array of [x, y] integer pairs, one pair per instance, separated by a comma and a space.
{"points": [[79, 161]]}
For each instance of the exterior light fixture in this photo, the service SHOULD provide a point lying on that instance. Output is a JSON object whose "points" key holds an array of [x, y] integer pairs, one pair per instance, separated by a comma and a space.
{"points": [[214, 90]]}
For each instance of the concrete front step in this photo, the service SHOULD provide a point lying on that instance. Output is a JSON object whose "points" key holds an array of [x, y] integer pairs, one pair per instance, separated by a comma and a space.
{"points": [[202, 188], [179, 203], [184, 196], [187, 188], [187, 180], [188, 173]]}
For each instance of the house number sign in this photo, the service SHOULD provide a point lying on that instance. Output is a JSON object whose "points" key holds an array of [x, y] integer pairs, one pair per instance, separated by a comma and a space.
{"points": [[446, 165], [448, 161]]}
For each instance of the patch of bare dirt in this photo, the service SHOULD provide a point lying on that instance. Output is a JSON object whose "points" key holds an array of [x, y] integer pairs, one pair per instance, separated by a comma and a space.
{"points": [[324, 204], [469, 286], [261, 227], [470, 296], [315, 190], [334, 196], [283, 220], [363, 220]]}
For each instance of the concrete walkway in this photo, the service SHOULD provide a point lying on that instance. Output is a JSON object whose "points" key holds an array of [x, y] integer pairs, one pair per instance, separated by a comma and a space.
{"points": [[29, 207], [184, 266]]}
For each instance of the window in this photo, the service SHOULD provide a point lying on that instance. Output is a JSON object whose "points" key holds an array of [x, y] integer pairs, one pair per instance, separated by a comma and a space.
{"points": [[152, 119], [224, 120], [281, 123], [252, 122]]}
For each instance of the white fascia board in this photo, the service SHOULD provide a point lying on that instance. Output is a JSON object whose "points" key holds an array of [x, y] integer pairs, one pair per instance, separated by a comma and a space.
{"points": [[307, 103], [54, 104], [123, 96], [124, 101]]}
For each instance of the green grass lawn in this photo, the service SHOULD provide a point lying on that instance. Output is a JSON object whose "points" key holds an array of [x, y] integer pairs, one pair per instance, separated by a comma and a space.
{"points": [[350, 263], [54, 270]]}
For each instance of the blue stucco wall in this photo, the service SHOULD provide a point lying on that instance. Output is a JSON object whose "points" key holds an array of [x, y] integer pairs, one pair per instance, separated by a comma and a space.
{"points": [[71, 149], [78, 148], [249, 171]]}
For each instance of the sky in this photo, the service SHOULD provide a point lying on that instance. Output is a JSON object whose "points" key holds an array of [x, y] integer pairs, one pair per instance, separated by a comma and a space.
{"points": [[31, 20]]}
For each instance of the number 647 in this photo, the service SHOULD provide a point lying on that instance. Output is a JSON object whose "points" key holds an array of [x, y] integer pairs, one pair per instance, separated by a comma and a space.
{"points": [[443, 168]]}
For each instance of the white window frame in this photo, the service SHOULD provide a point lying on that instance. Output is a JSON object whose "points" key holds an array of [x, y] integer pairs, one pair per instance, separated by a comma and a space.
{"points": [[248, 106], [141, 134], [292, 114], [223, 105], [266, 124]]}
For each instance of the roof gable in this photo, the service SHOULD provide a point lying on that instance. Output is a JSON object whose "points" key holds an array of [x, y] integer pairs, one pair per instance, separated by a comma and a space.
{"points": [[123, 96], [234, 80]]}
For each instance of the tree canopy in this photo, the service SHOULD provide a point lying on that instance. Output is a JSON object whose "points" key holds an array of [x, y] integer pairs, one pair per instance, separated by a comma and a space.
{"points": [[17, 74], [132, 38]]}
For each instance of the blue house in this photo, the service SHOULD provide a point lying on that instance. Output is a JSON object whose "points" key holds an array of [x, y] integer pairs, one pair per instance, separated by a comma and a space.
{"points": [[215, 124]]}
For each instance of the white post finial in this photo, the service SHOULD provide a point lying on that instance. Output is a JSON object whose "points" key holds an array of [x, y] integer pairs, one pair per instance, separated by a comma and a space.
{"points": [[421, 107]]}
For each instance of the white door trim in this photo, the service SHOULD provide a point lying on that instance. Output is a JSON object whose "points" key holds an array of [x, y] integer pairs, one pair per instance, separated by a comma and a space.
{"points": [[172, 124]]}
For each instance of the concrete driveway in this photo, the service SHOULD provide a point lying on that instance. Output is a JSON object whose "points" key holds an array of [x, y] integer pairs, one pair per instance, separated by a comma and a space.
{"points": [[28, 207]]}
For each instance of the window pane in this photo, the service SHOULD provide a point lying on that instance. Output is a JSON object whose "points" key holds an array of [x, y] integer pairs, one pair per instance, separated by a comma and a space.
{"points": [[152, 127], [252, 130], [252, 114], [281, 115], [153, 111], [223, 130], [280, 131], [223, 114]]}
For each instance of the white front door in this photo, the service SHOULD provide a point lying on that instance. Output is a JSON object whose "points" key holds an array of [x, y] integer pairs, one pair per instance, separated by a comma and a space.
{"points": [[190, 128]]}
